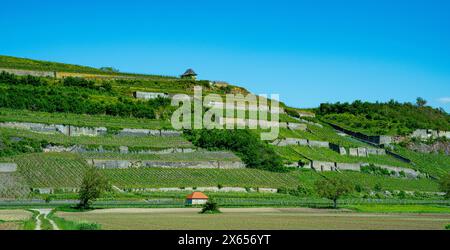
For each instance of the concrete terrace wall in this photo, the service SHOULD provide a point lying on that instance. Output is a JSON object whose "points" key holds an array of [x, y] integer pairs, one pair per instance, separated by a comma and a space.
{"points": [[149, 95], [238, 106], [123, 164], [300, 142], [376, 139], [70, 130], [409, 172], [357, 152], [207, 189], [56, 128], [260, 123], [146, 132], [121, 149], [336, 166], [429, 133], [8, 167], [23, 72]]}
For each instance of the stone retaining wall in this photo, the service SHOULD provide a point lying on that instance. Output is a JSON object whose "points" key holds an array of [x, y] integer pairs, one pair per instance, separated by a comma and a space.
{"points": [[70, 130], [375, 139], [357, 152], [261, 123], [337, 166], [24, 72], [123, 164], [207, 189], [300, 142], [8, 167], [429, 133], [122, 150]]}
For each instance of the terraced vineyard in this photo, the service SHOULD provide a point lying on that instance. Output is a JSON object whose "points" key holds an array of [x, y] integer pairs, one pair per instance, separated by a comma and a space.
{"points": [[316, 133], [65, 170], [81, 120], [295, 153], [107, 140], [12, 185], [435, 164], [58, 170], [184, 157], [165, 177]]}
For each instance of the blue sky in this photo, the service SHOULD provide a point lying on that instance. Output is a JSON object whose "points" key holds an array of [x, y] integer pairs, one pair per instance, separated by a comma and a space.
{"points": [[309, 52]]}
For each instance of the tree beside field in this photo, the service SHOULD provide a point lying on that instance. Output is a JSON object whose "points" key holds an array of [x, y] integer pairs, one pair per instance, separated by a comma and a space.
{"points": [[93, 185], [333, 189]]}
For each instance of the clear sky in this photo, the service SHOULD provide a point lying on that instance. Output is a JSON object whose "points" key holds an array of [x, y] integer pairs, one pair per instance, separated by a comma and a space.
{"points": [[307, 51]]}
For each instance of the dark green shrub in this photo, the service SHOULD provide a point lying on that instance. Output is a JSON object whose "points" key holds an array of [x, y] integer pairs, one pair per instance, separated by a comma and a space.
{"points": [[88, 226], [253, 152], [378, 187], [401, 194], [210, 207]]}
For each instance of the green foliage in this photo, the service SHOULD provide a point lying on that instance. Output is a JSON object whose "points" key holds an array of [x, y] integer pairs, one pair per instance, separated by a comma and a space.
{"points": [[210, 207], [435, 165], [372, 169], [300, 191], [28, 80], [92, 186], [421, 102], [78, 82], [333, 188], [80, 96], [390, 118], [13, 145], [30, 224], [444, 185], [447, 227], [29, 64], [253, 152], [64, 224], [378, 187]]}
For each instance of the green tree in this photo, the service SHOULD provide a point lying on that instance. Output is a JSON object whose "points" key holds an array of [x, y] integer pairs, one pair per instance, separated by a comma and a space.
{"points": [[333, 188], [421, 102], [445, 185], [92, 186]]}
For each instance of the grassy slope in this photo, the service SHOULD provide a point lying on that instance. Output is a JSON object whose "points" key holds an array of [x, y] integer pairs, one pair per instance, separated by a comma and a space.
{"points": [[107, 140], [384, 118], [184, 157], [30, 64], [62, 170], [436, 165], [81, 120]]}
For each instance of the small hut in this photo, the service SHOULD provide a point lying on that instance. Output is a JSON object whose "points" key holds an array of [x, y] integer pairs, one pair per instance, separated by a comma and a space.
{"points": [[189, 74], [196, 198]]}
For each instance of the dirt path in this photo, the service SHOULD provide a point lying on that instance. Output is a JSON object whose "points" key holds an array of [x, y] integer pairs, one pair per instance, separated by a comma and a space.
{"points": [[43, 213]]}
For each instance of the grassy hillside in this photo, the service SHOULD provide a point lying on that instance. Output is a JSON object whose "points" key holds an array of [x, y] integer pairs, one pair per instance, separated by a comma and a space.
{"points": [[390, 118], [30, 64], [107, 141], [81, 120]]}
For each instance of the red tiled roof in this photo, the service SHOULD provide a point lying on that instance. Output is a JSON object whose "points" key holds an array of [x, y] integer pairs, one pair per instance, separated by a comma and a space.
{"points": [[197, 195]]}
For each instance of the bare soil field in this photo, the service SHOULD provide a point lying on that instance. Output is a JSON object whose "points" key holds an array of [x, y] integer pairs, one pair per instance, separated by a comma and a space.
{"points": [[11, 219], [14, 215], [256, 219]]}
